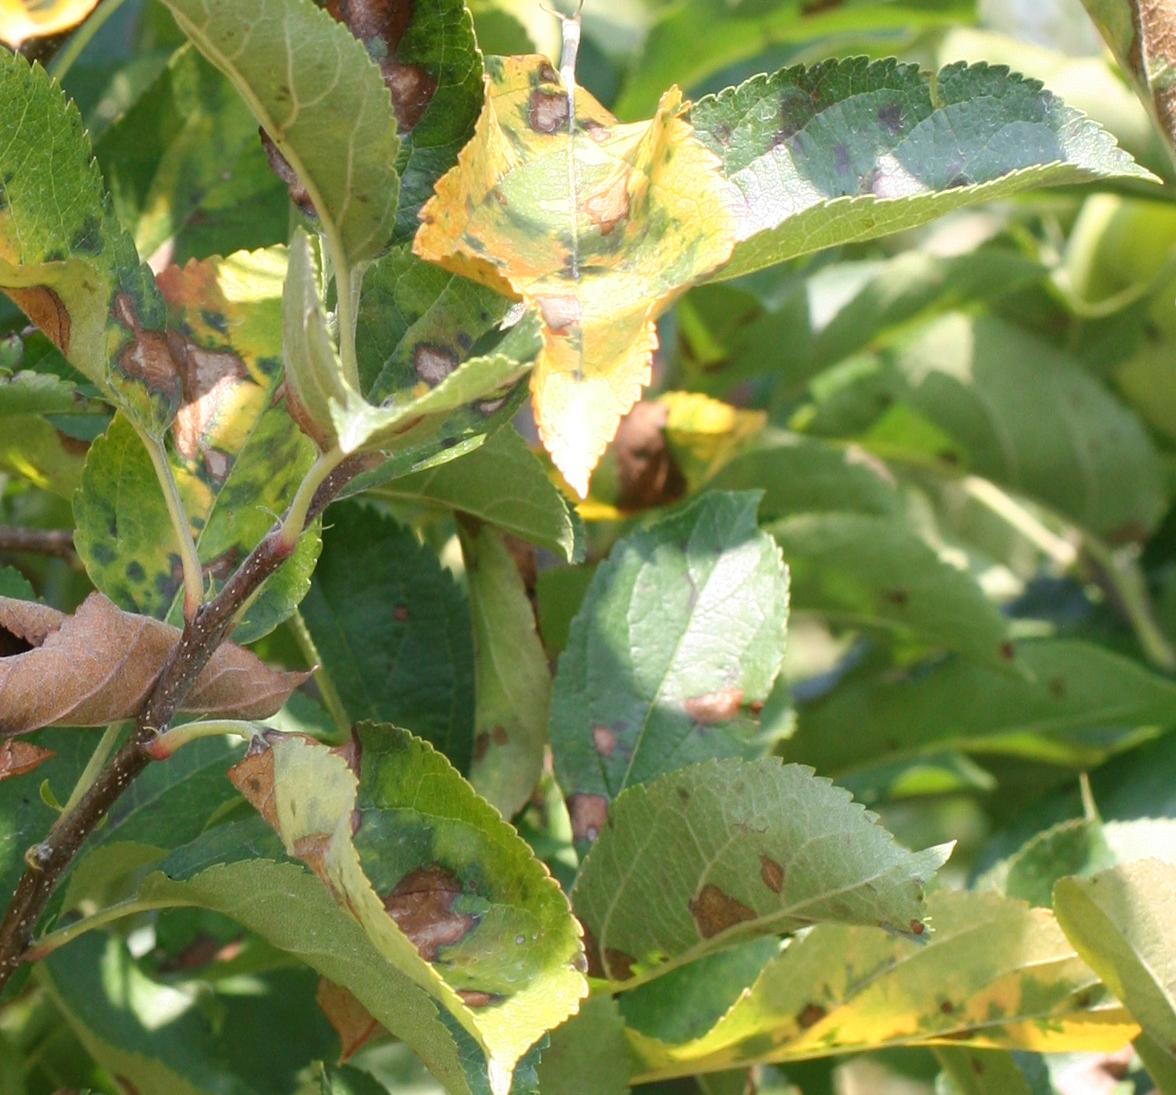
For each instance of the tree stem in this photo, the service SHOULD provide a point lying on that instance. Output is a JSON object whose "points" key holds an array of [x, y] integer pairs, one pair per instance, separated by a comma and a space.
{"points": [[202, 634], [32, 541]]}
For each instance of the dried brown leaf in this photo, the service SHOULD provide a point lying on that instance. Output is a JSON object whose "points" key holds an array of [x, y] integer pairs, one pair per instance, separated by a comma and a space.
{"points": [[19, 757], [98, 665]]}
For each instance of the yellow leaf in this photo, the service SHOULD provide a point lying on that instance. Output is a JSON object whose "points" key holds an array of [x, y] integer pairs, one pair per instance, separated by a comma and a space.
{"points": [[21, 19], [598, 231], [705, 432]]}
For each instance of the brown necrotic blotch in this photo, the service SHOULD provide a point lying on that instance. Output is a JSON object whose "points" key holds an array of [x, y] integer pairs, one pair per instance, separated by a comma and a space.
{"points": [[433, 363], [547, 111], [714, 911], [422, 904]]}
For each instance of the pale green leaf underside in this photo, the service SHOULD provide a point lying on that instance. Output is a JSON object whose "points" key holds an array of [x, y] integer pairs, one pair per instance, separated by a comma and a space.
{"points": [[849, 150], [680, 633], [718, 853], [1123, 922], [316, 92], [991, 973]]}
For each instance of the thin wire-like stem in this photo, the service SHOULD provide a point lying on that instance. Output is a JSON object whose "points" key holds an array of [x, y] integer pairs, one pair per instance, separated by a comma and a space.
{"points": [[189, 557], [81, 38], [94, 765], [35, 541], [331, 698], [51, 941], [296, 516]]}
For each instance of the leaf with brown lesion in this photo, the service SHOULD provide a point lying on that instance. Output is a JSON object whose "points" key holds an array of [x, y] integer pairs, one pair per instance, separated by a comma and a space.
{"points": [[598, 226], [17, 758], [98, 665]]}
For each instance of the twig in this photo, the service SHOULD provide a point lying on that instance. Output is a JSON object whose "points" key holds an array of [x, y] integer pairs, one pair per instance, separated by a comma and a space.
{"points": [[33, 541], [202, 634]]}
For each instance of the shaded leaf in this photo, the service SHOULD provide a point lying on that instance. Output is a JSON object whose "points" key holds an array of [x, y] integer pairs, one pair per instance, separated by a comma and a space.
{"points": [[801, 475], [21, 19], [64, 258], [1122, 921], [680, 636], [156, 157], [392, 631], [718, 853], [300, 72], [868, 571], [462, 908], [956, 394], [33, 450], [588, 1049], [512, 680], [991, 973], [502, 483], [597, 226], [1064, 685], [18, 758], [98, 665], [851, 150], [991, 1072]]}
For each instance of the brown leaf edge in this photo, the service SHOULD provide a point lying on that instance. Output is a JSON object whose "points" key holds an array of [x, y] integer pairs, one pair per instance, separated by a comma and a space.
{"points": [[99, 665]]}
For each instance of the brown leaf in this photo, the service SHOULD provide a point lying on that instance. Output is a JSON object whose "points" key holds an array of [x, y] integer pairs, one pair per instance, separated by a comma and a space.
{"points": [[714, 911], [19, 757], [98, 665], [645, 466], [351, 1020]]}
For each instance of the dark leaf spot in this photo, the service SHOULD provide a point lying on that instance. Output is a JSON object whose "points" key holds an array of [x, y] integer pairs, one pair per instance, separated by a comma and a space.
{"points": [[890, 117], [918, 927], [604, 741], [547, 111], [588, 813], [400, 613], [713, 707], [810, 1015], [618, 964], [714, 911], [472, 998], [433, 363], [897, 597], [1007, 651], [772, 874], [947, 1007], [46, 309], [422, 906]]}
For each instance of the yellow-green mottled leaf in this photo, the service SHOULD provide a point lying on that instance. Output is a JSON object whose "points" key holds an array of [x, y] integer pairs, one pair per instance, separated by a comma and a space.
{"points": [[512, 678], [237, 455], [1123, 922], [719, 853], [587, 1053], [851, 150], [64, 258], [321, 99], [32, 449], [598, 226], [989, 973], [446, 890]]}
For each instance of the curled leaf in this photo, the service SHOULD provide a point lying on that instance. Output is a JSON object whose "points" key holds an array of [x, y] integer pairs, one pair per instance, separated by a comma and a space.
{"points": [[19, 757], [98, 665], [597, 225]]}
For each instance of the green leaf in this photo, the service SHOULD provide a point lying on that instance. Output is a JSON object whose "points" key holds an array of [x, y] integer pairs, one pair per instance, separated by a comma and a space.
{"points": [[801, 475], [436, 62], [721, 852], [65, 259], [1122, 921], [157, 158], [990, 973], [502, 483], [206, 1044], [238, 456], [33, 450], [1064, 685], [300, 73], [851, 150], [992, 1072], [392, 631], [680, 635], [966, 378], [869, 571], [513, 682], [441, 886], [29, 392], [589, 1049], [16, 585], [699, 38]]}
